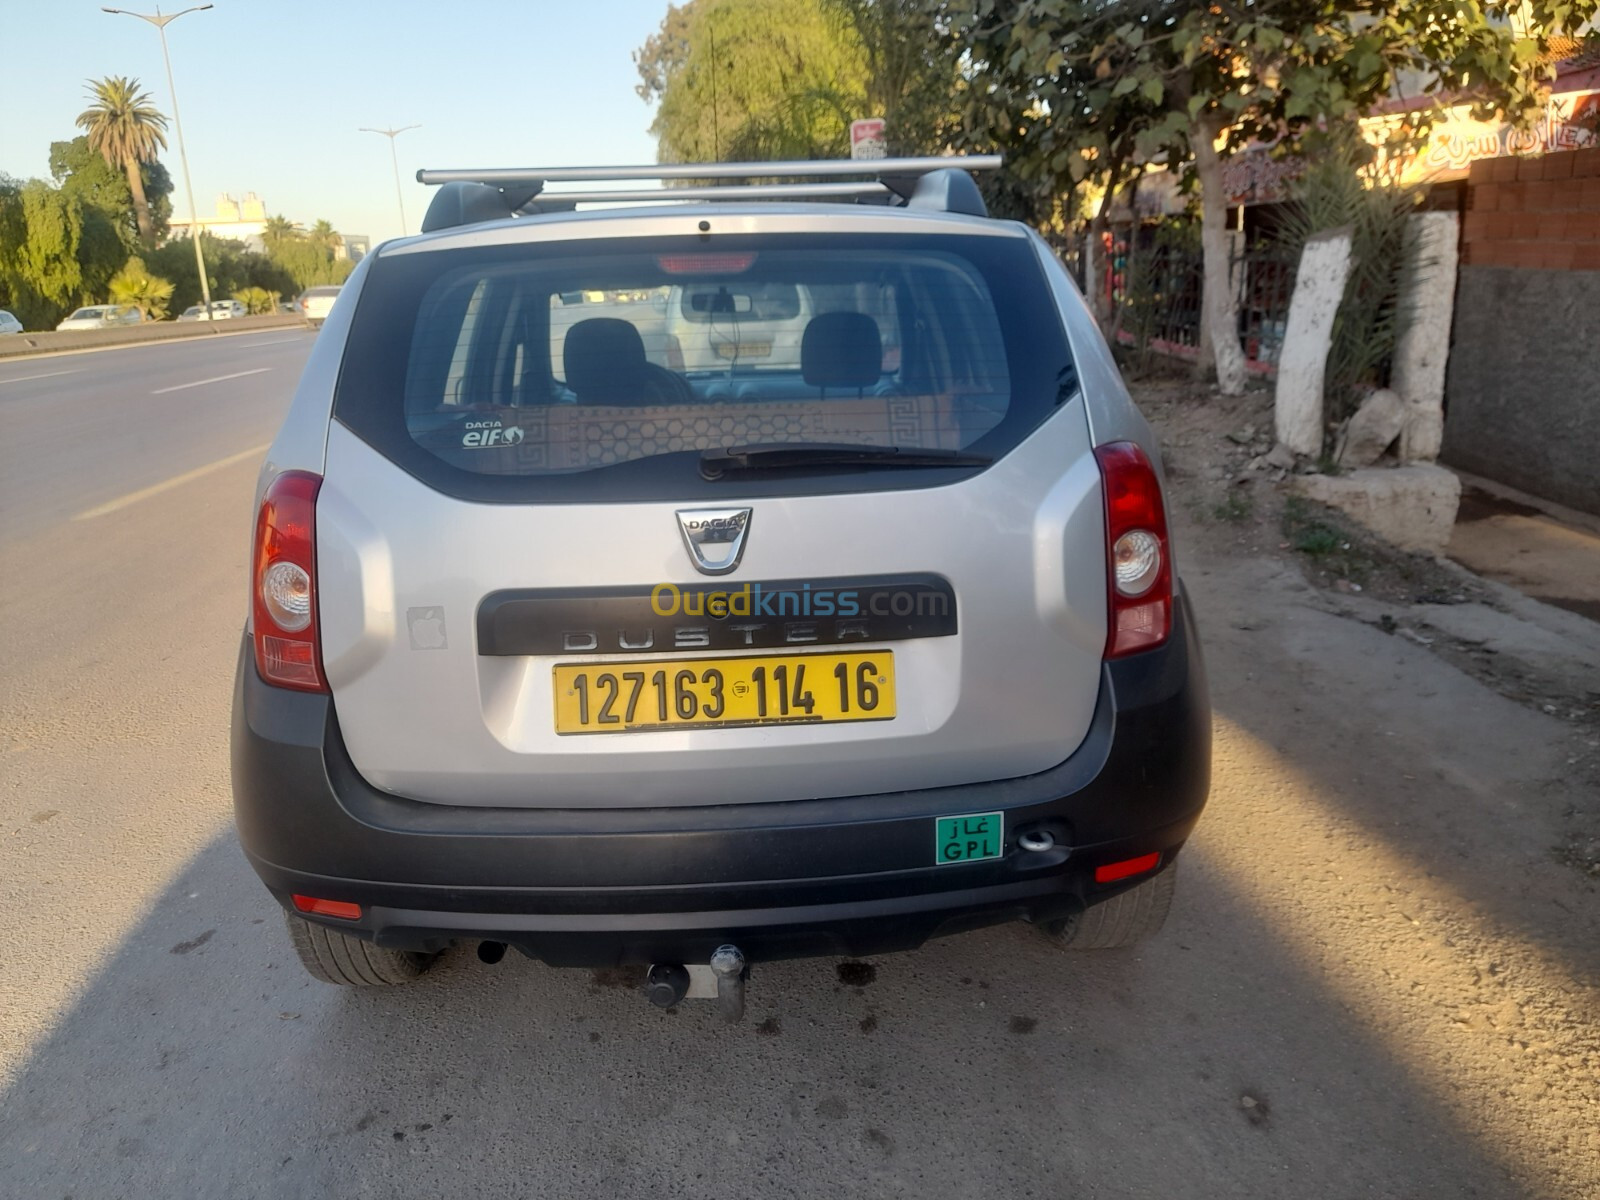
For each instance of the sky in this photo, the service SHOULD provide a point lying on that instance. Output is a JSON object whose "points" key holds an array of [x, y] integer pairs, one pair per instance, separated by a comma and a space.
{"points": [[273, 93]]}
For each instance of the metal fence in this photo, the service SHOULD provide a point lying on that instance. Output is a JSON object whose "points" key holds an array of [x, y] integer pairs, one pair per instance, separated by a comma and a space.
{"points": [[1156, 288]]}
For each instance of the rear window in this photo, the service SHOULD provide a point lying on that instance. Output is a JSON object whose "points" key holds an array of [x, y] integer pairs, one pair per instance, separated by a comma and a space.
{"points": [[602, 370]]}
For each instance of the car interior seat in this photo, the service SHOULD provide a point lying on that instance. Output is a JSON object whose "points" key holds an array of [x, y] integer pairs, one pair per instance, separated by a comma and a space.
{"points": [[841, 349], [606, 364]]}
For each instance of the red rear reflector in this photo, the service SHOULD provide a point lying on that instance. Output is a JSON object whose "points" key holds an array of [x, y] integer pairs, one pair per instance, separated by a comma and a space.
{"points": [[289, 662], [328, 908], [726, 263], [1111, 872]]}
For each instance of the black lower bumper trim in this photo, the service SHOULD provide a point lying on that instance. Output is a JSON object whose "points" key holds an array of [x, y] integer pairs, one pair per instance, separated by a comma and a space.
{"points": [[849, 875]]}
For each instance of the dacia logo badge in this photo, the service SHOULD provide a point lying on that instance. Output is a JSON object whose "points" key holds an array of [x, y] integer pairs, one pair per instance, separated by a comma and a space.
{"points": [[714, 537]]}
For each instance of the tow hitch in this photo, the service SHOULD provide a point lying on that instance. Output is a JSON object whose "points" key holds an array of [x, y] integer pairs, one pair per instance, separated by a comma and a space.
{"points": [[722, 979]]}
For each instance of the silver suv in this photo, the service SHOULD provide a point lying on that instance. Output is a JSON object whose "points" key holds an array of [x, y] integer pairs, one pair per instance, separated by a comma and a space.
{"points": [[570, 637]]}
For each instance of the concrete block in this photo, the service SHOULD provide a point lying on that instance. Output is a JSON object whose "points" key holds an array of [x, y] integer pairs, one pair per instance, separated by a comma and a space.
{"points": [[1318, 288], [1412, 507], [1375, 426]]}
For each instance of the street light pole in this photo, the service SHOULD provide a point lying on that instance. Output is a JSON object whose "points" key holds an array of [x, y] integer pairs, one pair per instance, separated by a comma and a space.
{"points": [[391, 134], [161, 22]]}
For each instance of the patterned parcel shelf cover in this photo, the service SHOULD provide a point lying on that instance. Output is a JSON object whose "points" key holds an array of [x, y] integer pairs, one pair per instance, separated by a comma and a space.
{"points": [[568, 437]]}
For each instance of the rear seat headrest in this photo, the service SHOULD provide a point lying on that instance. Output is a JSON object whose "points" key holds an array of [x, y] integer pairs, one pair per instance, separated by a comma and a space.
{"points": [[601, 354], [841, 349]]}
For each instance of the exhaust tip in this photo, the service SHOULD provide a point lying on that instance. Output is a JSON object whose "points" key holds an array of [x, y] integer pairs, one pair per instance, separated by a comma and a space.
{"points": [[491, 952], [666, 984]]}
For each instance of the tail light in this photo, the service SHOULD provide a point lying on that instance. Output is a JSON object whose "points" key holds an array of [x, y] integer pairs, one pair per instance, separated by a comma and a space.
{"points": [[674, 353], [284, 584], [1140, 566]]}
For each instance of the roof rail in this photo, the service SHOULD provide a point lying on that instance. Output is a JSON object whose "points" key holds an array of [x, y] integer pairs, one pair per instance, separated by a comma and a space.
{"points": [[939, 183]]}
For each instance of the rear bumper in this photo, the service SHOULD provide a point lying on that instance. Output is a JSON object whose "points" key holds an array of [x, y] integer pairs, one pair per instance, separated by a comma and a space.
{"points": [[854, 875]]}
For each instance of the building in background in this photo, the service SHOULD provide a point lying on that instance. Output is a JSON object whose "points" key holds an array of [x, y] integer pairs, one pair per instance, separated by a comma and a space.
{"points": [[245, 220], [242, 220]]}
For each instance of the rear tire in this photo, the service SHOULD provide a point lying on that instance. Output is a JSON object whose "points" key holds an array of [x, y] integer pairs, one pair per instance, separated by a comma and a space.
{"points": [[339, 958], [1124, 920]]}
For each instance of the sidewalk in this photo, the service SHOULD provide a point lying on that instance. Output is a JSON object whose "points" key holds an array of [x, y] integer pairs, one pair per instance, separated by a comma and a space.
{"points": [[1515, 608], [1543, 550]]}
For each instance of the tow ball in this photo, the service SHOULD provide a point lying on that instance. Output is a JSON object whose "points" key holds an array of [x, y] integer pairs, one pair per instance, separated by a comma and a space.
{"points": [[722, 979]]}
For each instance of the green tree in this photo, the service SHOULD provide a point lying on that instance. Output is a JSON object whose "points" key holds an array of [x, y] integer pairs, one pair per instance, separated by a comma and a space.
{"points": [[913, 72], [127, 130], [230, 267], [325, 237], [135, 285], [79, 170], [1202, 80], [309, 264], [279, 231], [110, 229], [101, 253], [175, 261], [791, 70], [306, 259], [41, 229], [261, 272]]}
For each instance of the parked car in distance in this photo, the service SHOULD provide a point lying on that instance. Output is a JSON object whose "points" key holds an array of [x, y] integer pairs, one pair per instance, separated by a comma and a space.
{"points": [[8, 323], [102, 316], [195, 312], [315, 303], [224, 310]]}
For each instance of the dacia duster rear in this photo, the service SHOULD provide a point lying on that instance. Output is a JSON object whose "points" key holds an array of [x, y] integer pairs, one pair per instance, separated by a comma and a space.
{"points": [[569, 637]]}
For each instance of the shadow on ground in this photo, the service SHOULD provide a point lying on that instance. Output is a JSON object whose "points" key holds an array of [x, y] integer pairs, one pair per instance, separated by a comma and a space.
{"points": [[200, 1062]]}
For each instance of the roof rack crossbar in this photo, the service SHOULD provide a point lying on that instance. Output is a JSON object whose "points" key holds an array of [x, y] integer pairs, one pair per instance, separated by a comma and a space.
{"points": [[935, 183], [775, 191], [824, 169]]}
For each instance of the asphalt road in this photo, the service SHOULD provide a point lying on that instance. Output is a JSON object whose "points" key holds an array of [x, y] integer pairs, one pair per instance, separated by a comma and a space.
{"points": [[81, 430], [1377, 981]]}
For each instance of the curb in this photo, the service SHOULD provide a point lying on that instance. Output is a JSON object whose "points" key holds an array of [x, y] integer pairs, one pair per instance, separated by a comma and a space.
{"points": [[40, 345]]}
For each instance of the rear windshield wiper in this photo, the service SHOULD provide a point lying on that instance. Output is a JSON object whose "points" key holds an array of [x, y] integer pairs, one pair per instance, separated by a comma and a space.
{"points": [[781, 456]]}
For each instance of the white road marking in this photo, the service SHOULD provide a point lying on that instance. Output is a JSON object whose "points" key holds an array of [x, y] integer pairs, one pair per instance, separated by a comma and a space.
{"points": [[214, 379], [167, 485], [47, 375], [275, 342]]}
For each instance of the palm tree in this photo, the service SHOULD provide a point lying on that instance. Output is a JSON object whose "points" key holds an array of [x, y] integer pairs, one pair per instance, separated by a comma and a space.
{"points": [[127, 130], [135, 285], [324, 235], [277, 231]]}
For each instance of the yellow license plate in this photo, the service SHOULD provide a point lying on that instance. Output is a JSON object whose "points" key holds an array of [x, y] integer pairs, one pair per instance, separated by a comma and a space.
{"points": [[731, 350], [770, 690]]}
